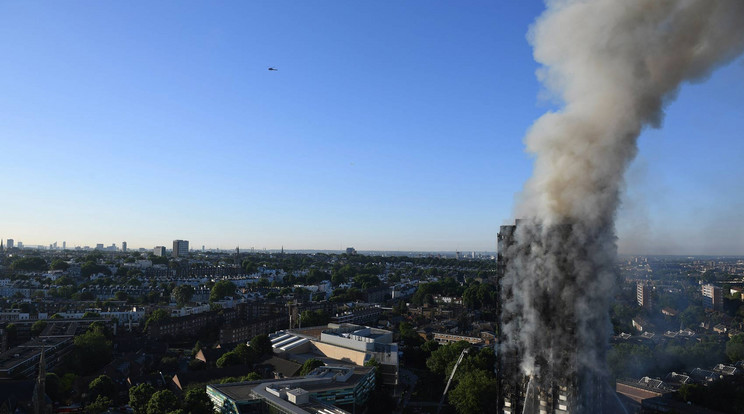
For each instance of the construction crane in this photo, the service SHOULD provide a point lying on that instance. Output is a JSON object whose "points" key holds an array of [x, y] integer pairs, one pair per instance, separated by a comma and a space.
{"points": [[452, 375]]}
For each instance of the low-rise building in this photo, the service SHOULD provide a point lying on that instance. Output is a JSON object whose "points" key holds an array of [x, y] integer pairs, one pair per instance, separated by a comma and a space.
{"points": [[328, 389]]}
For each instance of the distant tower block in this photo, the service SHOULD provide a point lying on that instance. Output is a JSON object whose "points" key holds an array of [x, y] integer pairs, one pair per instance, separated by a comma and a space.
{"points": [[712, 297], [643, 295], [124, 247], [180, 248]]}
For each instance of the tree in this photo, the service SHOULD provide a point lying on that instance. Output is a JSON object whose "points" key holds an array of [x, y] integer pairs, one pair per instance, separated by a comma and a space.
{"points": [[198, 401], [249, 267], [221, 289], [735, 348], [262, 345], [474, 393], [59, 264], [12, 331], [314, 318], [197, 365], [692, 316], [30, 264], [408, 335], [157, 316], [102, 386], [91, 268], [168, 363], [229, 359], [183, 294], [162, 402], [54, 387], [197, 347], [245, 354], [38, 327], [310, 365], [92, 351], [100, 405], [139, 395], [628, 360], [443, 359]]}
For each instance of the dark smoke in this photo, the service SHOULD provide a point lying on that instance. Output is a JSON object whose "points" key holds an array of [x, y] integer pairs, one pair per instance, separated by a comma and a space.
{"points": [[615, 64]]}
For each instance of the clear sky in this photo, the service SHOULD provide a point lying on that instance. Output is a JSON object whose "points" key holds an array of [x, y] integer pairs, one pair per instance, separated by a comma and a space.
{"points": [[390, 125]]}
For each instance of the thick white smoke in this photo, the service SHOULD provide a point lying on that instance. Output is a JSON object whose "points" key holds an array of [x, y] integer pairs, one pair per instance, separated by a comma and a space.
{"points": [[614, 64]]}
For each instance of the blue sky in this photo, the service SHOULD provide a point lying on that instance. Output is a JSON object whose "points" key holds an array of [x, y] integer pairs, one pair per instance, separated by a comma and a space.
{"points": [[389, 126]]}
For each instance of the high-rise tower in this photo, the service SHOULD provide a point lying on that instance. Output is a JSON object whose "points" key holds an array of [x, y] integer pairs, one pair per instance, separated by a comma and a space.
{"points": [[547, 346], [180, 248]]}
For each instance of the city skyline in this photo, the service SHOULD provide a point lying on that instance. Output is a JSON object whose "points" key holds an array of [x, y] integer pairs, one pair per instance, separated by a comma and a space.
{"points": [[386, 127]]}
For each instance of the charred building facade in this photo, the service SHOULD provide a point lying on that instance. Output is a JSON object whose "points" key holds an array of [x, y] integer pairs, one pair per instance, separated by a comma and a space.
{"points": [[549, 357]]}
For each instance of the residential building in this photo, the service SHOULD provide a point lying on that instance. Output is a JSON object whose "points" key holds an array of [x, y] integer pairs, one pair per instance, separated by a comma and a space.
{"points": [[159, 251], [124, 247], [643, 295], [445, 339], [9, 243], [180, 248], [22, 361], [712, 297]]}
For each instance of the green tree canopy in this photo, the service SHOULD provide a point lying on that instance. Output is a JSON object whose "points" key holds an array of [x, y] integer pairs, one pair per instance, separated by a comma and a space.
{"points": [[139, 395], [221, 289], [100, 405], [91, 268], [314, 318], [198, 402], [261, 344], [38, 327], [30, 264], [310, 365], [474, 393], [91, 352], [156, 316], [59, 264], [443, 359], [183, 294], [735, 348], [162, 402], [102, 386]]}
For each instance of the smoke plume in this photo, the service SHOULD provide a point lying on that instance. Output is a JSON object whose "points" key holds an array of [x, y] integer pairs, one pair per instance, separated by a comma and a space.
{"points": [[614, 64]]}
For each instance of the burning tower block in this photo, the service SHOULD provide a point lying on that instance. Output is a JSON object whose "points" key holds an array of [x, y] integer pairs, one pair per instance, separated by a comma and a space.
{"points": [[553, 322]]}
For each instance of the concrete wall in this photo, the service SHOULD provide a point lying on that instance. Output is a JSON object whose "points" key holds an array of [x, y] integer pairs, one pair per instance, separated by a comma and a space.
{"points": [[342, 354]]}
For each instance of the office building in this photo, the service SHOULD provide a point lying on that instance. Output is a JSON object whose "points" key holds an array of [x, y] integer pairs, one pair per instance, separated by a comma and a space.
{"points": [[99, 246], [124, 247], [712, 297], [9, 243], [180, 248], [159, 251], [643, 295]]}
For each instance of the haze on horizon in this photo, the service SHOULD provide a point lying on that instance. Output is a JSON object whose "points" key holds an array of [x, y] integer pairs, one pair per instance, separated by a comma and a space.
{"points": [[388, 126]]}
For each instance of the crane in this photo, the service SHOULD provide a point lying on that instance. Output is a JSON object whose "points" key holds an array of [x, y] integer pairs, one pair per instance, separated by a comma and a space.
{"points": [[449, 381]]}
